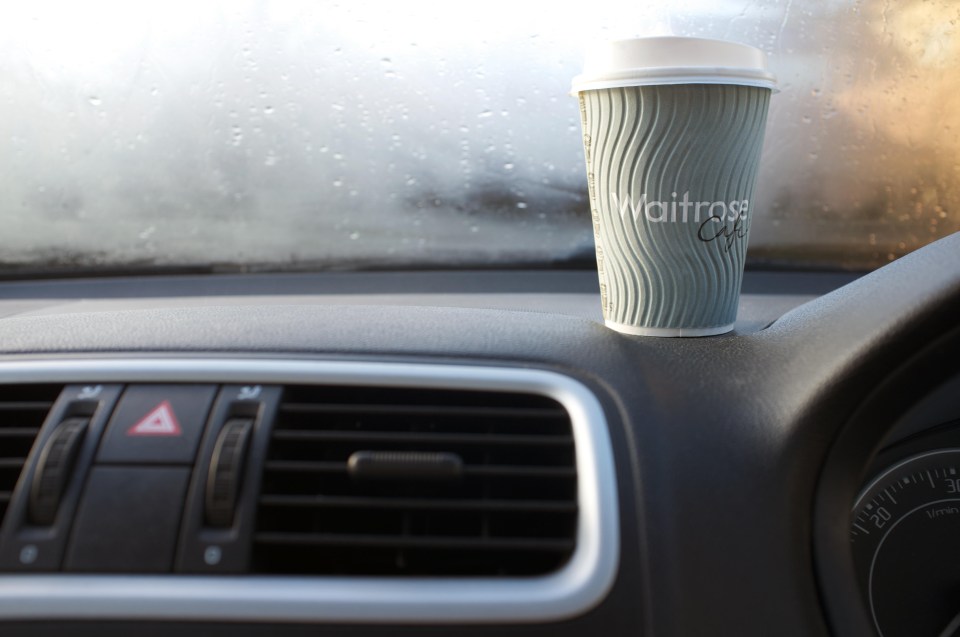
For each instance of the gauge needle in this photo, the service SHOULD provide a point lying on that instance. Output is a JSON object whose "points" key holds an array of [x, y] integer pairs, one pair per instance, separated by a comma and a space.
{"points": [[952, 627]]}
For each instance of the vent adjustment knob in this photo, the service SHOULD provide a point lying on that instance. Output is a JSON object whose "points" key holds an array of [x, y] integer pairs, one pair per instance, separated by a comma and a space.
{"points": [[54, 470], [226, 472]]}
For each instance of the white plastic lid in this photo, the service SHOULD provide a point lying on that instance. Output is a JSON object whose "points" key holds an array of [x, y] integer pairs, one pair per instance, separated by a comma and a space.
{"points": [[672, 60]]}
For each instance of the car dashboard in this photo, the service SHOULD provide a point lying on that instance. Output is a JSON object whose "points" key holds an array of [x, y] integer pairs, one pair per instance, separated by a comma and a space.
{"points": [[469, 452]]}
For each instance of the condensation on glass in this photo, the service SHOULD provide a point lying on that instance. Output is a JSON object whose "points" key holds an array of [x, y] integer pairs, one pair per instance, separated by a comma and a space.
{"points": [[314, 134]]}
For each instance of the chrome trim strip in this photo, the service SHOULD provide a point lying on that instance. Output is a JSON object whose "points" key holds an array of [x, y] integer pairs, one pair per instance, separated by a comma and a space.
{"points": [[573, 590]]}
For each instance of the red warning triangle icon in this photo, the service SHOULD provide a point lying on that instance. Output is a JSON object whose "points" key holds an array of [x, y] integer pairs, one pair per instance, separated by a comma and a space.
{"points": [[159, 422]]}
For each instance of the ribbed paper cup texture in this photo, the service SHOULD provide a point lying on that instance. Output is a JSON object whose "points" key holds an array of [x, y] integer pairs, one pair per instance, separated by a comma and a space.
{"points": [[671, 171]]}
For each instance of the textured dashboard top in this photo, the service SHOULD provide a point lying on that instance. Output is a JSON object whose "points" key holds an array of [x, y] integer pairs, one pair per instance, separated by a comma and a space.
{"points": [[332, 312]]}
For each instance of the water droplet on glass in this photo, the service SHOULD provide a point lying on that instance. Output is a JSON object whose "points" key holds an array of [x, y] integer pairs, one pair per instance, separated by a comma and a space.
{"points": [[94, 100], [806, 119], [521, 205], [337, 183], [474, 229], [508, 166], [485, 113], [354, 236], [268, 110]]}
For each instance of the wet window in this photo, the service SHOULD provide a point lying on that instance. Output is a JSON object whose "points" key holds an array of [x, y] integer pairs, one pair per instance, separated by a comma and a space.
{"points": [[312, 134]]}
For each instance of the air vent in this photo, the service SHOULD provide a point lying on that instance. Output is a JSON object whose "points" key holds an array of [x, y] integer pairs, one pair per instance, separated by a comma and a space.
{"points": [[390, 481], [23, 409]]}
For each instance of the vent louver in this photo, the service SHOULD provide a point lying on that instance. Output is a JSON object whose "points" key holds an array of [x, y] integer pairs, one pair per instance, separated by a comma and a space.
{"points": [[390, 481], [23, 408]]}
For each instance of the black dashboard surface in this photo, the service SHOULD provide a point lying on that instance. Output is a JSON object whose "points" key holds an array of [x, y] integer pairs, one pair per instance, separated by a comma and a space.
{"points": [[720, 443]]}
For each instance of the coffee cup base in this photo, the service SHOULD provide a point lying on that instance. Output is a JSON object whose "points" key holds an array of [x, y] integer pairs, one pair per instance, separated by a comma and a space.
{"points": [[634, 330]]}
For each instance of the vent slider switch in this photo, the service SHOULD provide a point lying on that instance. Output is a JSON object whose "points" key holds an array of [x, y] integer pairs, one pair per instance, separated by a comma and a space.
{"points": [[399, 465]]}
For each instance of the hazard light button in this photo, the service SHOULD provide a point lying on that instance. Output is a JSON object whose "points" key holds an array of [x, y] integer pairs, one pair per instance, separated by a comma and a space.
{"points": [[157, 424]]}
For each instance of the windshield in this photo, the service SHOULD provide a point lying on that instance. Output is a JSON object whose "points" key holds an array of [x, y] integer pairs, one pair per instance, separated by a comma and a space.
{"points": [[314, 134]]}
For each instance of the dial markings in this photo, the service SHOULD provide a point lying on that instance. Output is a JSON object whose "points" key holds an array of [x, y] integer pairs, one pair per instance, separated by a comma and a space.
{"points": [[905, 522]]}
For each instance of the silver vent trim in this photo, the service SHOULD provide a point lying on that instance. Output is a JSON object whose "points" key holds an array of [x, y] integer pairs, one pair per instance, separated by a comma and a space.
{"points": [[579, 586]]}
